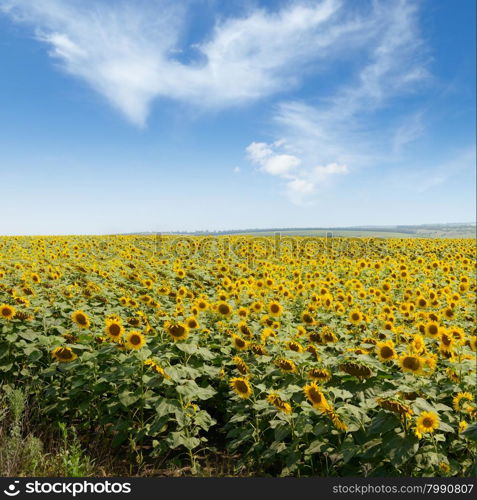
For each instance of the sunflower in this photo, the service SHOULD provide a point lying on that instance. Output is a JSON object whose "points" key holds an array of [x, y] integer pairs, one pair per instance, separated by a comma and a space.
{"points": [[7, 311], [224, 308], [355, 317], [463, 425], [418, 344], [114, 329], [320, 375], [244, 329], [192, 323], [275, 308], [243, 312], [394, 405], [135, 340], [462, 397], [411, 363], [202, 305], [178, 331], [385, 351], [239, 343], [328, 335], [426, 423], [432, 329], [241, 386], [337, 422], [257, 306], [316, 397], [307, 318], [356, 369], [258, 349], [279, 404], [63, 354], [81, 319], [240, 365], [294, 346], [286, 365], [473, 342]]}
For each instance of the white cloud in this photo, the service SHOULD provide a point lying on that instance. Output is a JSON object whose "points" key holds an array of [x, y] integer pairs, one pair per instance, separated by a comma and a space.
{"points": [[129, 51], [301, 180], [345, 128]]}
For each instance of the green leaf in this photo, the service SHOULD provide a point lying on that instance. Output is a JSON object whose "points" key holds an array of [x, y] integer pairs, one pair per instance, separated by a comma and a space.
{"points": [[127, 398], [400, 449], [382, 423]]}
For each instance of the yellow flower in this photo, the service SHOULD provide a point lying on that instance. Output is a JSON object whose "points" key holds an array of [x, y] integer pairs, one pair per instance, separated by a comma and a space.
{"points": [[7, 312], [114, 329], [460, 402], [81, 319], [275, 308], [241, 365], [177, 331], [192, 323], [316, 397], [320, 375], [63, 354], [239, 343], [411, 364], [427, 422], [279, 404], [135, 340], [286, 365], [355, 317], [224, 308], [385, 350], [463, 425], [241, 386]]}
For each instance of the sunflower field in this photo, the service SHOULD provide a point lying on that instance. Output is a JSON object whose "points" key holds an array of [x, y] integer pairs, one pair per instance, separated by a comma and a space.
{"points": [[343, 359]]}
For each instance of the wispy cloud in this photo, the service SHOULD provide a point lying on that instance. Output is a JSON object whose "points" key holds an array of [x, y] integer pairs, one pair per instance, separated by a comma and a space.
{"points": [[429, 175], [347, 126], [300, 180], [128, 50]]}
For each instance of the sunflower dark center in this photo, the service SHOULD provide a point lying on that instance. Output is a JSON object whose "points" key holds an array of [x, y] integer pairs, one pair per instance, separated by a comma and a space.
{"points": [[224, 309], [411, 363], [135, 339], [427, 422], [81, 319], [386, 352], [114, 329]]}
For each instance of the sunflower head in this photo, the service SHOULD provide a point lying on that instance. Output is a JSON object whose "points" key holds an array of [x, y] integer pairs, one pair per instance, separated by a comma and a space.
{"points": [[385, 351], [426, 423], [316, 397], [7, 312], [114, 329], [224, 309], [356, 369], [286, 365], [239, 343], [192, 323], [64, 354], [240, 365], [279, 404], [275, 308], [135, 340], [81, 319], [177, 331], [320, 375], [411, 363], [241, 386]]}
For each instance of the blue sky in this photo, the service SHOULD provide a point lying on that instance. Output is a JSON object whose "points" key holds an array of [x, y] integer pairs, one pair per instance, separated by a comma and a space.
{"points": [[204, 114]]}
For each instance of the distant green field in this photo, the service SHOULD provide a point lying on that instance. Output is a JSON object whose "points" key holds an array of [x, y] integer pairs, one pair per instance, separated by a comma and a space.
{"points": [[337, 233]]}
